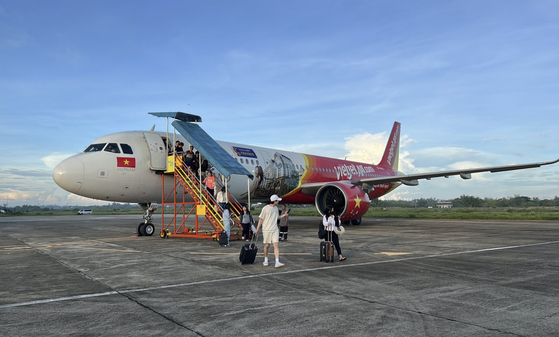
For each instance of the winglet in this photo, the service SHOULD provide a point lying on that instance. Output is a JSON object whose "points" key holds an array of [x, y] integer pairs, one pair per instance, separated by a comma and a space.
{"points": [[392, 151]]}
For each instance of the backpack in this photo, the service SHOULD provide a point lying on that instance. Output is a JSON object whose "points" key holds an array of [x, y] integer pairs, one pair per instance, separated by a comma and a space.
{"points": [[321, 231]]}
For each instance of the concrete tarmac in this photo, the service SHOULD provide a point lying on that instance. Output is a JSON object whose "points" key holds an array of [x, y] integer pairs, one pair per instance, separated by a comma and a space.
{"points": [[91, 276]]}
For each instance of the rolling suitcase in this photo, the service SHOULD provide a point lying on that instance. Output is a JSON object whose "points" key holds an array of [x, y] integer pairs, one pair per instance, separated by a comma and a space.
{"points": [[327, 249], [248, 253]]}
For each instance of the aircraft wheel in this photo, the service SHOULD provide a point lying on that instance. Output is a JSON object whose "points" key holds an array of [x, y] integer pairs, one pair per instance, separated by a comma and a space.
{"points": [[356, 222], [141, 229], [149, 229]]}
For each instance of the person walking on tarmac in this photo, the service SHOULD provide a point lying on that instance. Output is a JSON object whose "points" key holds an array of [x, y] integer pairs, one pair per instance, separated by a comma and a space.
{"points": [[330, 220], [246, 221], [269, 223]]}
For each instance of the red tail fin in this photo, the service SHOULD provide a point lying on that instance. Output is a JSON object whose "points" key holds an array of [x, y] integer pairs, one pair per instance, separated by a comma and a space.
{"points": [[392, 151]]}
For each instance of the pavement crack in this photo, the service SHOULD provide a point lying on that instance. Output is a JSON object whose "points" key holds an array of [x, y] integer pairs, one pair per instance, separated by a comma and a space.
{"points": [[425, 314], [147, 307]]}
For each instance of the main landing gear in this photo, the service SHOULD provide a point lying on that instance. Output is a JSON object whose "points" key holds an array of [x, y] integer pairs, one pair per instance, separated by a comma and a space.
{"points": [[147, 228], [355, 222]]}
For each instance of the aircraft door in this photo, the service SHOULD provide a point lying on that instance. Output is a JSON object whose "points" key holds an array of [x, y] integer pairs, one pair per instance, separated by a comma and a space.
{"points": [[157, 151]]}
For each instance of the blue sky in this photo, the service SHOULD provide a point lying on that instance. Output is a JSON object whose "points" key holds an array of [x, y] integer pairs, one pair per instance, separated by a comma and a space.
{"points": [[474, 83]]}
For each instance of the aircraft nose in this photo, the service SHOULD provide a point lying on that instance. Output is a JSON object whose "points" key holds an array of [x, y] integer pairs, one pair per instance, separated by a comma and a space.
{"points": [[69, 174]]}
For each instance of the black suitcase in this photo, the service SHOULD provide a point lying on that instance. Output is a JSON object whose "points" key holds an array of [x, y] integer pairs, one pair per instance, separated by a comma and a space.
{"points": [[222, 239], [248, 253], [326, 251]]}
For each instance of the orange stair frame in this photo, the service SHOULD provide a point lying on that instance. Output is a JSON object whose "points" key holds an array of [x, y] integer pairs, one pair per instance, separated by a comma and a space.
{"points": [[204, 205]]}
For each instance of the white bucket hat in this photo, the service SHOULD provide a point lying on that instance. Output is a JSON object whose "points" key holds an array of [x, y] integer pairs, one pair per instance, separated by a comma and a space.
{"points": [[339, 230]]}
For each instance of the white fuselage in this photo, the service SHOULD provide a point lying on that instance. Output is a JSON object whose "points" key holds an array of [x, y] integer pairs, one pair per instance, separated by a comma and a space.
{"points": [[105, 175]]}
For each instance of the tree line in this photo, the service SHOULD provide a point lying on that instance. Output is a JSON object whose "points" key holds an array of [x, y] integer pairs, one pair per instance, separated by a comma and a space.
{"points": [[38, 208], [470, 202], [466, 201]]}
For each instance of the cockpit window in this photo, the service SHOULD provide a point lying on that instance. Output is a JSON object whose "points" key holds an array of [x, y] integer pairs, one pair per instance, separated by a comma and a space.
{"points": [[112, 147], [126, 148], [95, 147]]}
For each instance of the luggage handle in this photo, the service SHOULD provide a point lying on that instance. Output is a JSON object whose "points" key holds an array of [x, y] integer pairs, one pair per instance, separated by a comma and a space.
{"points": [[329, 234], [251, 239]]}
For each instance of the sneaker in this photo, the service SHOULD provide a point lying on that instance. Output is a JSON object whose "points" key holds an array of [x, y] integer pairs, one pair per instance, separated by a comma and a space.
{"points": [[265, 263], [279, 264]]}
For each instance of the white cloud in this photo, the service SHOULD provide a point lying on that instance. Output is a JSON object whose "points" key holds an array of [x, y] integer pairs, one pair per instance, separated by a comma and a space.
{"points": [[54, 159], [366, 147]]}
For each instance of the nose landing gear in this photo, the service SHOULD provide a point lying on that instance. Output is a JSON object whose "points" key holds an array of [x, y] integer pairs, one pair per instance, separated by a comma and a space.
{"points": [[147, 228]]}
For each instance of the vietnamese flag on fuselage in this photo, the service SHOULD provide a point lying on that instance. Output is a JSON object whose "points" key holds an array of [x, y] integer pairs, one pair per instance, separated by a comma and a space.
{"points": [[125, 162]]}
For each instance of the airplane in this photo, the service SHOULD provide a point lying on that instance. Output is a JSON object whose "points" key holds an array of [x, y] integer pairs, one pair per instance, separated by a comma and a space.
{"points": [[127, 167]]}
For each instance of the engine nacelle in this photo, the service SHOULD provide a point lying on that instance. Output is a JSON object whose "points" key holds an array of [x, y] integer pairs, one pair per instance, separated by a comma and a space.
{"points": [[350, 201]]}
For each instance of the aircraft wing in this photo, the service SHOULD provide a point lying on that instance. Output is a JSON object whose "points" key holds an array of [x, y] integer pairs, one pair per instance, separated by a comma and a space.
{"points": [[412, 179]]}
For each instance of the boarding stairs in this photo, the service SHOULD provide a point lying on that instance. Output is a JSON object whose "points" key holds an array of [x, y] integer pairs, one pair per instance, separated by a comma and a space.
{"points": [[186, 182]]}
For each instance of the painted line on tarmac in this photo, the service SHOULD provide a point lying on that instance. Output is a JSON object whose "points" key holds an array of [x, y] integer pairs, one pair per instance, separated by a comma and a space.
{"points": [[60, 299], [393, 253], [70, 245], [346, 265], [108, 249], [236, 253]]}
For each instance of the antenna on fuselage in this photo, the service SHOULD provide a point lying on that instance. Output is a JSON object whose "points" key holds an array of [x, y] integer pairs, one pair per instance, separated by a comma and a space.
{"points": [[153, 128]]}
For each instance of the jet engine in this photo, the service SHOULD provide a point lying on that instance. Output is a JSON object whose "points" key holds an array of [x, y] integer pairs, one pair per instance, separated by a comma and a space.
{"points": [[348, 200]]}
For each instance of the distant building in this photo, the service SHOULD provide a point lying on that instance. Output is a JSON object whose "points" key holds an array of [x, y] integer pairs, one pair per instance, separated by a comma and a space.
{"points": [[444, 204]]}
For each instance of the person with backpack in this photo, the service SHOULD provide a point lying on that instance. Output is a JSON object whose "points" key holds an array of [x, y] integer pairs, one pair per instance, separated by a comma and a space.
{"points": [[330, 221]]}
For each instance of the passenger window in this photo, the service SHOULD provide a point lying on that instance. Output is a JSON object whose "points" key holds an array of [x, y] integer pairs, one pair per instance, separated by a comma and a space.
{"points": [[95, 147], [112, 147], [126, 149]]}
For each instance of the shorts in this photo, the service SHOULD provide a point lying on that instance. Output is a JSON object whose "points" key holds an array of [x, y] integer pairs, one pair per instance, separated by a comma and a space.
{"points": [[270, 237]]}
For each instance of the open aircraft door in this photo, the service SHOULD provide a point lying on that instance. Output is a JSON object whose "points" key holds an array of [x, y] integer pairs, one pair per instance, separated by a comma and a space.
{"points": [[157, 151]]}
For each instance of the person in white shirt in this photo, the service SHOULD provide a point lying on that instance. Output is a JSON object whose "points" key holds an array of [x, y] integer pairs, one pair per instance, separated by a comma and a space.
{"points": [[329, 220], [269, 223], [221, 198]]}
